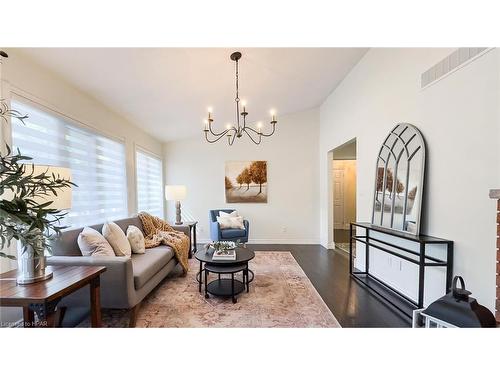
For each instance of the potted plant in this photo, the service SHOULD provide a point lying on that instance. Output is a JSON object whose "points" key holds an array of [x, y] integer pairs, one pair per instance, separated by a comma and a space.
{"points": [[27, 212]]}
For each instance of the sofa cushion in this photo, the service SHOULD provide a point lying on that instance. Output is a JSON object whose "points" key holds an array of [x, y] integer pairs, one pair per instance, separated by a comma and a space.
{"points": [[145, 266], [233, 233], [232, 214], [117, 239], [136, 239], [93, 243], [67, 244], [230, 222]]}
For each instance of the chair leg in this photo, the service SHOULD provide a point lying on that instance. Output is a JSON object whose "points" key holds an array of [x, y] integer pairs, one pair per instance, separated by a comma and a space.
{"points": [[134, 311]]}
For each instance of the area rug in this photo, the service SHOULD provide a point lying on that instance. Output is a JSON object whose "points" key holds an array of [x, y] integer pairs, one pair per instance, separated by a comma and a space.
{"points": [[281, 295]]}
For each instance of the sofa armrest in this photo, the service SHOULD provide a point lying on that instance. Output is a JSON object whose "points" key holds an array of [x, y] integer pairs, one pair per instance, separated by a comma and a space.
{"points": [[117, 282]]}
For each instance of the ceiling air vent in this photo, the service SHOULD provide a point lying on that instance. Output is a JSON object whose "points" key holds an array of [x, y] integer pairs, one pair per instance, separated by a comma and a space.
{"points": [[450, 63]]}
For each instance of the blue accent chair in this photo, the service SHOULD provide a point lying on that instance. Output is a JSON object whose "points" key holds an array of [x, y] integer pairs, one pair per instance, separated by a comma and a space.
{"points": [[217, 234]]}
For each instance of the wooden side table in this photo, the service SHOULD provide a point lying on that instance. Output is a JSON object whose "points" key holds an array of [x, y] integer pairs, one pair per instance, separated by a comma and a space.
{"points": [[42, 297], [192, 231]]}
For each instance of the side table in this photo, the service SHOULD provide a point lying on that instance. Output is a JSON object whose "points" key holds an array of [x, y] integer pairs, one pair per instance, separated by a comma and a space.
{"points": [[42, 297], [192, 230]]}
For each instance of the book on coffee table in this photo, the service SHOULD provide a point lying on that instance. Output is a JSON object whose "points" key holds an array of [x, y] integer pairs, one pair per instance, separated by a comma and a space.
{"points": [[224, 254]]}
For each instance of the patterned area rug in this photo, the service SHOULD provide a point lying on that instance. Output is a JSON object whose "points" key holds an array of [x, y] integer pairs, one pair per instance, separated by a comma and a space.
{"points": [[281, 295]]}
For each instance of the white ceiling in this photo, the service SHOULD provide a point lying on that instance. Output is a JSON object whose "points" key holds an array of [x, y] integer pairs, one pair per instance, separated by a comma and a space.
{"points": [[166, 91]]}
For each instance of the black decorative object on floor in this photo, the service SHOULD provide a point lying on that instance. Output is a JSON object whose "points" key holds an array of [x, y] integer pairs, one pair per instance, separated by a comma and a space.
{"points": [[459, 309]]}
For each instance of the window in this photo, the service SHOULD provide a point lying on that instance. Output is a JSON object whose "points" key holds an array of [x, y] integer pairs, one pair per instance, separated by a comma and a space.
{"points": [[97, 163], [149, 183]]}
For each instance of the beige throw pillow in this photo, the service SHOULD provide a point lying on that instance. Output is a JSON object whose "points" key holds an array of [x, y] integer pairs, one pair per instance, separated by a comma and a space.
{"points": [[117, 239], [92, 243], [225, 214], [231, 222], [136, 239]]}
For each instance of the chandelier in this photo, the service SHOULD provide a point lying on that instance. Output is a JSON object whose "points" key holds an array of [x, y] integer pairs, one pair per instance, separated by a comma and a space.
{"points": [[236, 130]]}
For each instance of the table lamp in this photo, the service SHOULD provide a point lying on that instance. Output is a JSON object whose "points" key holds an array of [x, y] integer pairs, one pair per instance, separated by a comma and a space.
{"points": [[176, 193]]}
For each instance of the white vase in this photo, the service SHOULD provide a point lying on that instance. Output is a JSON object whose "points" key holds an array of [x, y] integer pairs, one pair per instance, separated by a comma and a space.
{"points": [[32, 267]]}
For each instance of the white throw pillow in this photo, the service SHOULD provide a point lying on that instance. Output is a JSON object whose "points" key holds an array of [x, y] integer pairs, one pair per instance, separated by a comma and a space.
{"points": [[117, 239], [136, 239], [225, 214], [231, 222], [93, 243]]}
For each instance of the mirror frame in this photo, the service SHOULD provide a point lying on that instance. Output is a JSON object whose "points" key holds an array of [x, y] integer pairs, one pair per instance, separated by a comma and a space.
{"points": [[419, 196]]}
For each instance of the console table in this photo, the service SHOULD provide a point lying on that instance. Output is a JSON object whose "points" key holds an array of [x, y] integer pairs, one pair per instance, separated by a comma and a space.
{"points": [[420, 258]]}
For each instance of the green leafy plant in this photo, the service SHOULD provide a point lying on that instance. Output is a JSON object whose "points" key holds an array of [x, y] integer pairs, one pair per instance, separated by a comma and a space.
{"points": [[21, 216]]}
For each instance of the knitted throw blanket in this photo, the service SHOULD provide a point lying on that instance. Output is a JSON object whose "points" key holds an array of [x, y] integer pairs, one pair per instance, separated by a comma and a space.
{"points": [[158, 232]]}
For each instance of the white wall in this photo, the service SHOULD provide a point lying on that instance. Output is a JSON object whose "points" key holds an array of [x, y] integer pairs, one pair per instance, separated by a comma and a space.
{"points": [[459, 119], [293, 192], [22, 76]]}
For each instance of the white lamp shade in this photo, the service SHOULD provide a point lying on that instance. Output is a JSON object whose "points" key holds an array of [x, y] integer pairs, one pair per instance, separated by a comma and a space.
{"points": [[175, 192], [61, 201]]}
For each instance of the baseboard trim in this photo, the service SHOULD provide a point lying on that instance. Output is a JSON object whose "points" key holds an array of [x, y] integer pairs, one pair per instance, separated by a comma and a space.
{"points": [[275, 241]]}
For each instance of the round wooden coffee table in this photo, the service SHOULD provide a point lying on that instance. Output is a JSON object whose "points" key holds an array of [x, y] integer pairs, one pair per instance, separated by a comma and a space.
{"points": [[222, 286]]}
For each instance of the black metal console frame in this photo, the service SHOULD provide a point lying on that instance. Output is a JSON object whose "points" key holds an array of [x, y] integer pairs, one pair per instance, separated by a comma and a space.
{"points": [[423, 260]]}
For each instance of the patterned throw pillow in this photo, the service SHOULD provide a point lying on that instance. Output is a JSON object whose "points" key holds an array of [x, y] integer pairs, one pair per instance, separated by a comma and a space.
{"points": [[136, 239]]}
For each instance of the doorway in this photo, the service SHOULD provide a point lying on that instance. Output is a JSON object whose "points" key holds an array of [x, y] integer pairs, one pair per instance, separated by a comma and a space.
{"points": [[343, 174]]}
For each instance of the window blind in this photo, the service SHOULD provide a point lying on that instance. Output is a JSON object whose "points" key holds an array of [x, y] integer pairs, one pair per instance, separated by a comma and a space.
{"points": [[97, 162], [149, 184]]}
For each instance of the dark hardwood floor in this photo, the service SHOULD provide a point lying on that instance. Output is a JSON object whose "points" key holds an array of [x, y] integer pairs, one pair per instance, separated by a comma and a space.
{"points": [[351, 303], [341, 235]]}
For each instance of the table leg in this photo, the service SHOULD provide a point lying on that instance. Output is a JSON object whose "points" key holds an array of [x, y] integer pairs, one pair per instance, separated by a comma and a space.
{"points": [[421, 276], [200, 275], [206, 277], [194, 240], [248, 284], [190, 252], [95, 302], [232, 287], [28, 317]]}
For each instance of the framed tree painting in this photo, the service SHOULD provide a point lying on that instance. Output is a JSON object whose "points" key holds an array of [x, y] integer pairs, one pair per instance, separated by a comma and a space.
{"points": [[246, 181]]}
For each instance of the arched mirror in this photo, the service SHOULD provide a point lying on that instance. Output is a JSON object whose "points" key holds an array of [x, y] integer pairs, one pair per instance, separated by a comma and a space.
{"points": [[399, 180]]}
